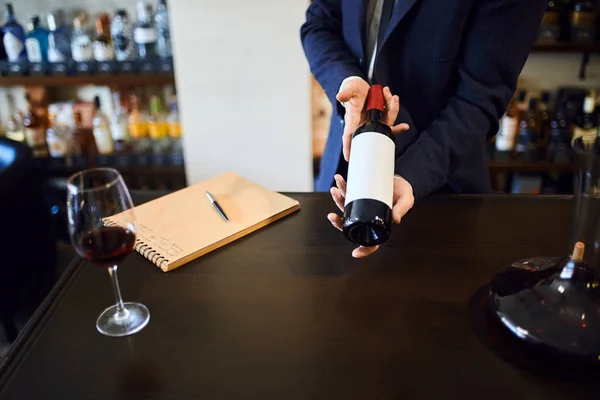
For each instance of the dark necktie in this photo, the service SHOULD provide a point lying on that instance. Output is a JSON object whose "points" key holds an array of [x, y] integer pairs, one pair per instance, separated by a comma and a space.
{"points": [[386, 15]]}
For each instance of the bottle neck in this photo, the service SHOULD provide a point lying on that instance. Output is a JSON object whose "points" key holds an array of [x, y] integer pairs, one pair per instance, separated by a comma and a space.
{"points": [[78, 28], [52, 26], [100, 31], [9, 14], [55, 20], [374, 115], [144, 13]]}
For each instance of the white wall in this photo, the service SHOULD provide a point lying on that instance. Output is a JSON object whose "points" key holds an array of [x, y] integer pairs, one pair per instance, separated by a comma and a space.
{"points": [[547, 71], [244, 90]]}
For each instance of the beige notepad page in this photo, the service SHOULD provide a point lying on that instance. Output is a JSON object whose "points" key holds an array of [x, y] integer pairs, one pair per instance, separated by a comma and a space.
{"points": [[179, 227]]}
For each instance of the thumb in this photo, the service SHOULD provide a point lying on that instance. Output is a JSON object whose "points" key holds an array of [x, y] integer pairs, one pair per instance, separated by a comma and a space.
{"points": [[345, 95], [400, 128], [402, 206]]}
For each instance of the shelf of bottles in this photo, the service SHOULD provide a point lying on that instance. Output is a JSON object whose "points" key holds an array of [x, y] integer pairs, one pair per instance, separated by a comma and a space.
{"points": [[536, 132], [141, 137], [569, 26], [118, 47]]}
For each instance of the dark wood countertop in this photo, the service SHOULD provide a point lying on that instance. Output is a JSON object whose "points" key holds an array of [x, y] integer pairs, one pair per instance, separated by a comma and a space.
{"points": [[286, 313]]}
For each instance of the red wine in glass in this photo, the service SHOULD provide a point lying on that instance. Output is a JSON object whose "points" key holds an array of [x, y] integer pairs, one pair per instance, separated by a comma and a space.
{"points": [[107, 245], [93, 196]]}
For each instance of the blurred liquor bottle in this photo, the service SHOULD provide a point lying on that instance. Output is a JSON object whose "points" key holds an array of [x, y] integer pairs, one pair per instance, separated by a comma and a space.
{"points": [[583, 18], [161, 19], [526, 148], [509, 126], [103, 47], [144, 34], [559, 142], [102, 134], [544, 118], [83, 138], [138, 127], [175, 132], [586, 123], [119, 126], [36, 42], [550, 28], [122, 36], [158, 128], [59, 138], [59, 39], [521, 105], [35, 130], [81, 43], [14, 126]]}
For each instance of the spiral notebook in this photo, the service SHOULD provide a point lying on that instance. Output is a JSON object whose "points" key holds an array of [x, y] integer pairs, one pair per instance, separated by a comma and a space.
{"points": [[182, 226]]}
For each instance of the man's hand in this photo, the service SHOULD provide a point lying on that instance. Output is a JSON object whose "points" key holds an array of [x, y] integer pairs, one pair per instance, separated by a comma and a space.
{"points": [[403, 202], [353, 95]]}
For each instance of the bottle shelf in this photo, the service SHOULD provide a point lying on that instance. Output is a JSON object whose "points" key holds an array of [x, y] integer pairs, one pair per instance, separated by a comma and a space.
{"points": [[510, 165], [148, 170], [127, 165], [137, 176], [567, 47], [111, 73], [100, 80]]}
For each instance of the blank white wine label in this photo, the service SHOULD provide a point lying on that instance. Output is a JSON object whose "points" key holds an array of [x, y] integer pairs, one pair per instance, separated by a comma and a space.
{"points": [[371, 169], [144, 35], [13, 46]]}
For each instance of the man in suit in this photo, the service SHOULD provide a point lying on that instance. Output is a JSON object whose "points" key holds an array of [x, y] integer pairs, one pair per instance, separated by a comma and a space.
{"points": [[454, 65]]}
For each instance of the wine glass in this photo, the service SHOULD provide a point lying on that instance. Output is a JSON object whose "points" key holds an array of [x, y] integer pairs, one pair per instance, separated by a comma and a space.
{"points": [[554, 303], [93, 195]]}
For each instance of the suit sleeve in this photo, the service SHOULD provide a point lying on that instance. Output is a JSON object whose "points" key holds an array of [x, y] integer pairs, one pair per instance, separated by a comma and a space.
{"points": [[328, 55], [496, 43]]}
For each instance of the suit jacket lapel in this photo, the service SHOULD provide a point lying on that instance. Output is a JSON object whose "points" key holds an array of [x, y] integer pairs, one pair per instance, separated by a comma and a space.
{"points": [[357, 16], [400, 11]]}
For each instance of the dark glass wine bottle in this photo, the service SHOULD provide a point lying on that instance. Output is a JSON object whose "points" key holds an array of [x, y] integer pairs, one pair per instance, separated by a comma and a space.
{"points": [[559, 143], [526, 148], [586, 123], [370, 186]]}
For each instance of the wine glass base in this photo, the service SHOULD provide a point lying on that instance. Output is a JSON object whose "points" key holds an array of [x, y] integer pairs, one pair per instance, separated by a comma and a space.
{"points": [[135, 318], [551, 303]]}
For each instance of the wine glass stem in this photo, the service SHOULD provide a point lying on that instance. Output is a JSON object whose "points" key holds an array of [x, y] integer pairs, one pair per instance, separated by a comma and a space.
{"points": [[112, 271]]}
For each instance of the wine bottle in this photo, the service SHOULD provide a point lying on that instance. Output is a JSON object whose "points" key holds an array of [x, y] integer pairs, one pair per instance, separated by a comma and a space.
{"points": [[13, 36], [586, 123], [35, 131], [559, 142], [102, 136], [370, 186], [526, 147]]}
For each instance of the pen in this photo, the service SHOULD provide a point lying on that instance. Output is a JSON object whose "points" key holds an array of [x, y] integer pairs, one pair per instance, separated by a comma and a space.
{"points": [[217, 206]]}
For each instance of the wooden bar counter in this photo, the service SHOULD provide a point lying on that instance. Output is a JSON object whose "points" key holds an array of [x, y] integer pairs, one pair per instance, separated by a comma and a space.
{"points": [[286, 313]]}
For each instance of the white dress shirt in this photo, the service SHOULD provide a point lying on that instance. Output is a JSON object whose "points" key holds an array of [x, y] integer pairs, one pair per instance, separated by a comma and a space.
{"points": [[374, 11]]}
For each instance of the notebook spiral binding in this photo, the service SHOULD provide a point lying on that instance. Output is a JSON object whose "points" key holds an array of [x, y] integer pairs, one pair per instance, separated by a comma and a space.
{"points": [[145, 249]]}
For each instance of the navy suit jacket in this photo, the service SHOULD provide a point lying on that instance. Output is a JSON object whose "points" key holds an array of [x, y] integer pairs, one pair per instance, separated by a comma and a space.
{"points": [[453, 63]]}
